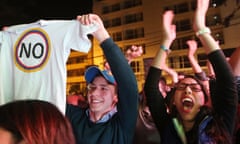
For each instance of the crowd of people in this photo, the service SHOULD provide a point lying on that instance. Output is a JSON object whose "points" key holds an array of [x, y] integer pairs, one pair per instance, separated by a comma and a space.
{"points": [[193, 109]]}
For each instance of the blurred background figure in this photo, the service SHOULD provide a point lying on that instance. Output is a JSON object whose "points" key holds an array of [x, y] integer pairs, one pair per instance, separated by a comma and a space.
{"points": [[34, 122], [146, 131], [133, 52], [130, 53], [76, 98]]}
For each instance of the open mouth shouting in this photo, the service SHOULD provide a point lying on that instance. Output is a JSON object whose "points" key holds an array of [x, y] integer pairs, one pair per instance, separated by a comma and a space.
{"points": [[187, 104]]}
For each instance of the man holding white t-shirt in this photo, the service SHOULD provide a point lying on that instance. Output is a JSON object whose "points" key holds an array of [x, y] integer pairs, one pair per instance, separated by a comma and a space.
{"points": [[33, 59]]}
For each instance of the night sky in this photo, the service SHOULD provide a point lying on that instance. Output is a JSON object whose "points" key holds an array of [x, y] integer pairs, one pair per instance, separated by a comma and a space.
{"points": [[25, 11]]}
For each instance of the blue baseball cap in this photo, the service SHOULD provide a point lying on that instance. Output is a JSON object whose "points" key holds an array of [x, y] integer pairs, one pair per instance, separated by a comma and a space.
{"points": [[93, 71]]}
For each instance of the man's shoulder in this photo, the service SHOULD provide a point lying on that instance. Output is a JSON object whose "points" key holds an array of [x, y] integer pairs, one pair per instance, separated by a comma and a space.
{"points": [[72, 110]]}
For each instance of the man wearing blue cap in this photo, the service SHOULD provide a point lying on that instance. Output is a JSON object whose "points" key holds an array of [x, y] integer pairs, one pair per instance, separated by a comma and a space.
{"points": [[112, 97]]}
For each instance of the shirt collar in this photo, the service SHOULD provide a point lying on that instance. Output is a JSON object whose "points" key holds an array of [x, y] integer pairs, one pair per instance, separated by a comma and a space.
{"points": [[105, 117], [21, 27]]}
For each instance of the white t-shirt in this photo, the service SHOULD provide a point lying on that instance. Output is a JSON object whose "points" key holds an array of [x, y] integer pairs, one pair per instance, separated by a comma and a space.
{"points": [[33, 59]]}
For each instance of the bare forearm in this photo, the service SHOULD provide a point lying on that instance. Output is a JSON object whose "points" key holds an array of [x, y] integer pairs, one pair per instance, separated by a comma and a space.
{"points": [[208, 42], [195, 66]]}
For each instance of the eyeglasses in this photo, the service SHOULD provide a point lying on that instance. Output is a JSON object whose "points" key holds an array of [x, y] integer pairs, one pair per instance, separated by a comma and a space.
{"points": [[194, 86]]}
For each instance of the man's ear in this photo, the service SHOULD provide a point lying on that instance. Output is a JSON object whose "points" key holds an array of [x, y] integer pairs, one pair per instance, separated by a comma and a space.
{"points": [[115, 99]]}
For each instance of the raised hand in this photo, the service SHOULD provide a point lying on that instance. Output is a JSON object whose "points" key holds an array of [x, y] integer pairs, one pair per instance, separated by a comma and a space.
{"points": [[101, 34], [202, 7], [192, 47], [169, 29], [133, 52]]}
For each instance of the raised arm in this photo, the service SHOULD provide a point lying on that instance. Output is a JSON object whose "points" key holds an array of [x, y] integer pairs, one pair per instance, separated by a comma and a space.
{"points": [[133, 52], [192, 47], [235, 61], [123, 74], [101, 34], [202, 31], [169, 34], [155, 99], [225, 85]]}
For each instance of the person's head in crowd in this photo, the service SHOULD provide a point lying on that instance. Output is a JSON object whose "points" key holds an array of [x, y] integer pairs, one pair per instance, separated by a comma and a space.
{"points": [[102, 91], [189, 101], [34, 122], [194, 92], [163, 86], [131, 53]]}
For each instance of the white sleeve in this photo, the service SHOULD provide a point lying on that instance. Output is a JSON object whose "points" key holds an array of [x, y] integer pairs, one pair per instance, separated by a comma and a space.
{"points": [[77, 38], [0, 41]]}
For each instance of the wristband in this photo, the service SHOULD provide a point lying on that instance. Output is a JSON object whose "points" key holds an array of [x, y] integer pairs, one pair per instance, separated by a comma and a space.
{"points": [[203, 31], [167, 50]]}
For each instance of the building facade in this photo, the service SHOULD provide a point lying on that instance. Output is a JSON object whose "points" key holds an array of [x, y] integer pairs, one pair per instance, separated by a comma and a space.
{"points": [[138, 22]]}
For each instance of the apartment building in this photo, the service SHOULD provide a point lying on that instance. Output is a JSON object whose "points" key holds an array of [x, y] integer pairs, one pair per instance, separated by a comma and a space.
{"points": [[138, 22]]}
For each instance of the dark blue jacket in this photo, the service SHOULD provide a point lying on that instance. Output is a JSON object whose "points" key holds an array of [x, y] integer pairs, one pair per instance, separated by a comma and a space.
{"points": [[120, 128]]}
